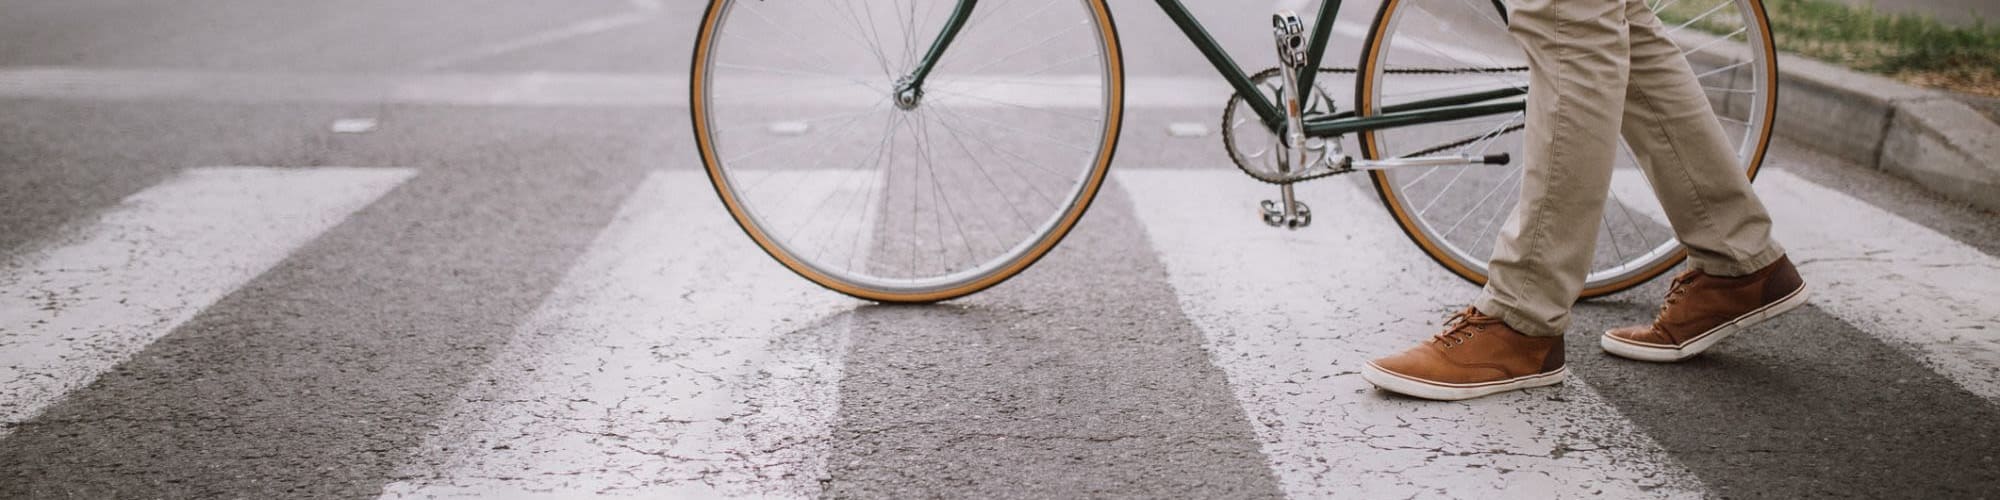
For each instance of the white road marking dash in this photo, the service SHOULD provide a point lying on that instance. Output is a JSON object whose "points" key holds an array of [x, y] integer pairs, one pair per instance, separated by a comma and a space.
{"points": [[75, 306]]}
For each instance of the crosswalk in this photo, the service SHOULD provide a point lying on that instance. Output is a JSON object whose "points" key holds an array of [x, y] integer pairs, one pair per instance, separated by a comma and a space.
{"points": [[1296, 316], [662, 366], [89, 298], [674, 360]]}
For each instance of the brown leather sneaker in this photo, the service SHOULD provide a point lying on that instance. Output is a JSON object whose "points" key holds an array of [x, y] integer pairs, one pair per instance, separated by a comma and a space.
{"points": [[1476, 355], [1701, 310]]}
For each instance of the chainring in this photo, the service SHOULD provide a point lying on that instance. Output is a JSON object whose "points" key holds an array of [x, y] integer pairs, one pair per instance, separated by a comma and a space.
{"points": [[1237, 135]]}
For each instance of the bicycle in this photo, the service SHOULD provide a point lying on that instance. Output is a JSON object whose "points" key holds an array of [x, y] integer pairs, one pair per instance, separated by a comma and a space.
{"points": [[916, 213]]}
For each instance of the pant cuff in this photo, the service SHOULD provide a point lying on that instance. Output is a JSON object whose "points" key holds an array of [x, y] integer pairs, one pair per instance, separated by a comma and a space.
{"points": [[1514, 318], [1744, 267]]}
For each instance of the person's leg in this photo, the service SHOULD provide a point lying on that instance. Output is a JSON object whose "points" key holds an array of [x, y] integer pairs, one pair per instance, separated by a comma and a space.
{"points": [[1512, 338], [1739, 276], [1687, 155], [1578, 51]]}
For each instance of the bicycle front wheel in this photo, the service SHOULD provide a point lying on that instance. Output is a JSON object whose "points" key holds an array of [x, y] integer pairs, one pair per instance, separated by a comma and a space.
{"points": [[1424, 49], [801, 132]]}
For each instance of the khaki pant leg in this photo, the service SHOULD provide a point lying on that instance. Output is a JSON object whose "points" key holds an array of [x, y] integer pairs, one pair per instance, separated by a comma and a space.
{"points": [[1577, 56], [1687, 155]]}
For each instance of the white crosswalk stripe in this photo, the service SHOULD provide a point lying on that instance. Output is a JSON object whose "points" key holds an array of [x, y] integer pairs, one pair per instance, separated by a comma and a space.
{"points": [[1895, 279], [1292, 316], [88, 299], [675, 359], [539, 89]]}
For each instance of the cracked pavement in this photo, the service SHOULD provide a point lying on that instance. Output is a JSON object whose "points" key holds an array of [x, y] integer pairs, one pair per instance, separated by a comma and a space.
{"points": [[541, 298]]}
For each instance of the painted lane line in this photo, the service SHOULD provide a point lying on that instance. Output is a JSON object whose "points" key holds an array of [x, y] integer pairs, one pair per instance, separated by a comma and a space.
{"points": [[79, 304], [1292, 317], [517, 89], [545, 89], [575, 30], [1897, 280], [642, 11], [674, 360]]}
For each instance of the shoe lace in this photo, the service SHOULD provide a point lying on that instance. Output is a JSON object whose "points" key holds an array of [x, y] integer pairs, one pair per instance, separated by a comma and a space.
{"points": [[1458, 328], [1674, 292]]}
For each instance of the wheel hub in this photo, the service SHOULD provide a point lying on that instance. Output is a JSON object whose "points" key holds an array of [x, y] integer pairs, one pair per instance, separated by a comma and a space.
{"points": [[908, 95]]}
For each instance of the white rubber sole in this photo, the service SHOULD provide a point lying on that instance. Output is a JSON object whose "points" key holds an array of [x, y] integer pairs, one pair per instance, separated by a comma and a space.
{"points": [[1389, 381], [1667, 354]]}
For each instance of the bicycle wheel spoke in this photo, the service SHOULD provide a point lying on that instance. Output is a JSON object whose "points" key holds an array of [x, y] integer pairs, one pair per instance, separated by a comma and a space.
{"points": [[888, 139], [772, 146], [794, 36], [1016, 24], [1021, 106], [806, 121], [1443, 210], [1000, 81], [1604, 220], [1043, 69], [870, 36], [841, 132], [784, 71], [1710, 43], [1027, 135], [930, 161], [1016, 157], [1444, 190], [1486, 139], [1466, 88], [1022, 50], [1704, 15], [1706, 74], [905, 203], [1482, 55], [1488, 8], [1475, 208], [1634, 158], [1486, 234], [1011, 207]]}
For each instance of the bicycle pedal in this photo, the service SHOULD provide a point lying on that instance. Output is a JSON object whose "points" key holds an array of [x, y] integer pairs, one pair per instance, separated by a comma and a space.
{"points": [[1300, 217], [1290, 33]]}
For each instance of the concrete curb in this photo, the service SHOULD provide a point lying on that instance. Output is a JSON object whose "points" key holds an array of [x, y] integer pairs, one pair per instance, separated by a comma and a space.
{"points": [[1922, 135]]}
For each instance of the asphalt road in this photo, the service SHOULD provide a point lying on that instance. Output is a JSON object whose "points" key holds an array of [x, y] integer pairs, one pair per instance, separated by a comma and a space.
{"points": [[513, 281]]}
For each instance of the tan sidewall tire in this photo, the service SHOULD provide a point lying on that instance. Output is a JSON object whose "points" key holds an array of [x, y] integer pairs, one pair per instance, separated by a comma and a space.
{"points": [[1364, 102], [1113, 125]]}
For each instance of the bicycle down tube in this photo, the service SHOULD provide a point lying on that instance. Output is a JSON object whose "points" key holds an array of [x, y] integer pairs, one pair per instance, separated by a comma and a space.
{"points": [[1447, 108]]}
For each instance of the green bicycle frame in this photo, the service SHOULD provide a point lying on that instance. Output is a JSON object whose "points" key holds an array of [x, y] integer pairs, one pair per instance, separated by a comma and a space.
{"points": [[1440, 109]]}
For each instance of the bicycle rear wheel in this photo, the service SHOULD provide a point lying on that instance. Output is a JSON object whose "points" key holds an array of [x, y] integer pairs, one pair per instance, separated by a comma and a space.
{"points": [[1422, 49], [803, 139]]}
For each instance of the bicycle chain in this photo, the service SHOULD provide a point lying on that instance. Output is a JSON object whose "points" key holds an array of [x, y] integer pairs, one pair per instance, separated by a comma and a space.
{"points": [[1228, 110]]}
